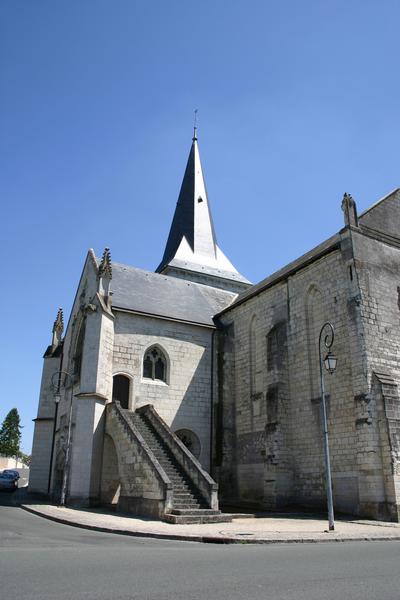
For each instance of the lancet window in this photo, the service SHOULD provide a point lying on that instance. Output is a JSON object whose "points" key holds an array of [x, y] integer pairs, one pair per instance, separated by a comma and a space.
{"points": [[155, 364]]}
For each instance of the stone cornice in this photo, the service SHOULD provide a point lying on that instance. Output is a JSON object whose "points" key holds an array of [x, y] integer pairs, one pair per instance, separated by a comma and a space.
{"points": [[92, 395]]}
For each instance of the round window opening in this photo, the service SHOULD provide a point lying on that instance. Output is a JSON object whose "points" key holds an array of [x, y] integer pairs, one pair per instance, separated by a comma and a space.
{"points": [[191, 441]]}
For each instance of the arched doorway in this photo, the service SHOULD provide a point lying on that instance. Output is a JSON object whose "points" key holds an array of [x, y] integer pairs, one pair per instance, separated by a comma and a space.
{"points": [[121, 389], [191, 441]]}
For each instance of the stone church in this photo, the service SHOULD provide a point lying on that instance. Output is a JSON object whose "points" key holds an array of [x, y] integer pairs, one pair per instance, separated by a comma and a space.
{"points": [[177, 392]]}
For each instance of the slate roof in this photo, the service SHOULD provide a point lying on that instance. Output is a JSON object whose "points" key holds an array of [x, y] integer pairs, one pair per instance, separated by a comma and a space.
{"points": [[163, 296]]}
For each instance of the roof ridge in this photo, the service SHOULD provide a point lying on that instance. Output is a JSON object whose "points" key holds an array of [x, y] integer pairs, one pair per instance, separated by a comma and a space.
{"points": [[379, 202]]}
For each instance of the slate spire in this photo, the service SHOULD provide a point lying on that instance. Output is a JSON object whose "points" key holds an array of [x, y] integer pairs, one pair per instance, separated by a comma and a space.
{"points": [[192, 219], [192, 244]]}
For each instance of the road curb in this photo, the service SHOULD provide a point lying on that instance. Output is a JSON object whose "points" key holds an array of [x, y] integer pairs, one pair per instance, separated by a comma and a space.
{"points": [[206, 539]]}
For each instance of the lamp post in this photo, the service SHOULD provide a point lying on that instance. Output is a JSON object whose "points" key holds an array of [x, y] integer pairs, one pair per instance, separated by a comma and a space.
{"points": [[329, 361], [65, 379]]}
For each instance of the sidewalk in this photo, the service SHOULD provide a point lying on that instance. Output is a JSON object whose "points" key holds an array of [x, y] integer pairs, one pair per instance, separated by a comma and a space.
{"points": [[279, 528]]}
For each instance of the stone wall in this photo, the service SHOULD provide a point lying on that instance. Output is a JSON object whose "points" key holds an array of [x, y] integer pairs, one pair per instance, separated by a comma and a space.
{"points": [[91, 389], [269, 394], [86, 454], [43, 433], [278, 439], [378, 272], [41, 456], [143, 488], [256, 465], [322, 292], [110, 478], [184, 402]]}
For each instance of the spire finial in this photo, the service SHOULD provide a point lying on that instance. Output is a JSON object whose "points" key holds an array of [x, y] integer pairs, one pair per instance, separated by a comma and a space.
{"points": [[196, 110], [349, 209], [105, 268], [58, 328], [59, 322]]}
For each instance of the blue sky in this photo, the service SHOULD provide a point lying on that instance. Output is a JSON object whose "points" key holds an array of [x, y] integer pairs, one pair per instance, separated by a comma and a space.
{"points": [[298, 103]]}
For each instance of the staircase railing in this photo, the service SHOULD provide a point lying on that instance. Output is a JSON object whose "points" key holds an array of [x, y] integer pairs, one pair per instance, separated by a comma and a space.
{"points": [[147, 453], [201, 479]]}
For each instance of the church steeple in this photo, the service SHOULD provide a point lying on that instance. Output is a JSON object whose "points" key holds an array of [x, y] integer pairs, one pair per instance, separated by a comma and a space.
{"points": [[192, 251]]}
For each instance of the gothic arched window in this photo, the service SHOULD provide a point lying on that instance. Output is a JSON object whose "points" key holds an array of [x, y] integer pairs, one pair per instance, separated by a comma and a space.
{"points": [[155, 364]]}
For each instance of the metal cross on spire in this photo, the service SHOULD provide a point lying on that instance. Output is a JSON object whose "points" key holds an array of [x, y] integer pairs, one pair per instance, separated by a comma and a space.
{"points": [[196, 110]]}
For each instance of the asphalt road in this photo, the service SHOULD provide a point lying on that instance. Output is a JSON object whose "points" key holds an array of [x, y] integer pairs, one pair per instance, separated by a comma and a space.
{"points": [[42, 560]]}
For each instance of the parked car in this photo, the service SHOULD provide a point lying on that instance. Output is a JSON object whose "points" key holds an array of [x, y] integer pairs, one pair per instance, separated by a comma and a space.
{"points": [[8, 482], [12, 472]]}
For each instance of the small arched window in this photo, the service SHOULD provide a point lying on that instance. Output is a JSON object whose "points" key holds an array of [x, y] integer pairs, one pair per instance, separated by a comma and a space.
{"points": [[191, 441], [155, 364]]}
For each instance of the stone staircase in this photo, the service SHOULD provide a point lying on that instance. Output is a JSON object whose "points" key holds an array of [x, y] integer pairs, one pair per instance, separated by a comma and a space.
{"points": [[188, 504]]}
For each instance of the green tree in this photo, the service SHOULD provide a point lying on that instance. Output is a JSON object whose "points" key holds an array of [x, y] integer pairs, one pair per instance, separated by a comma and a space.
{"points": [[10, 434], [25, 458]]}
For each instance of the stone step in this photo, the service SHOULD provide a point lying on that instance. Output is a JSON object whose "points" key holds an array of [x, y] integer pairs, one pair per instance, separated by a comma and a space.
{"points": [[156, 443], [173, 473], [187, 505], [188, 501], [166, 461], [196, 511], [196, 519], [151, 440], [185, 495], [171, 470], [168, 466], [177, 483]]}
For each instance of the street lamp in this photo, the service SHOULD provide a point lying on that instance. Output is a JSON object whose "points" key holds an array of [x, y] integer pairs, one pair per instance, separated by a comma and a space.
{"points": [[327, 335], [63, 378]]}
